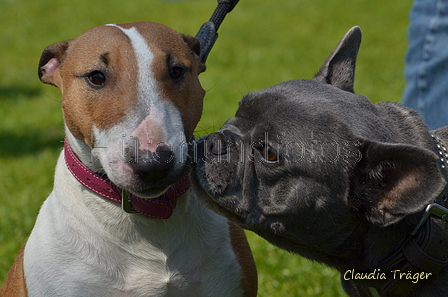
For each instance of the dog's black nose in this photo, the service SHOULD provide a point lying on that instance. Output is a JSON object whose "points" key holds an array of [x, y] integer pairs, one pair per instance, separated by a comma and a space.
{"points": [[152, 165], [216, 144]]}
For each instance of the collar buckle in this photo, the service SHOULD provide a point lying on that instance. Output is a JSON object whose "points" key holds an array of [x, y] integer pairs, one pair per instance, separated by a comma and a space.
{"points": [[126, 203], [432, 209]]}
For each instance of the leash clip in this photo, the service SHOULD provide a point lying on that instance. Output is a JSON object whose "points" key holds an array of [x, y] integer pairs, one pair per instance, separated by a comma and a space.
{"points": [[434, 209], [126, 202]]}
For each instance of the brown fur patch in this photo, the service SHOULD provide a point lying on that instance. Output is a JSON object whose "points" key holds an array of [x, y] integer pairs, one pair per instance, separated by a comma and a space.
{"points": [[84, 105], [244, 256], [14, 284]]}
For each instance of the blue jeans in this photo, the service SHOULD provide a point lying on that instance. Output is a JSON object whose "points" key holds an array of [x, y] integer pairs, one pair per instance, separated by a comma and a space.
{"points": [[426, 70]]}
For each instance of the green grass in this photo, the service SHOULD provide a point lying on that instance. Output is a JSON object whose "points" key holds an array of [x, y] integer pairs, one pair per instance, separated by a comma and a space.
{"points": [[261, 43]]}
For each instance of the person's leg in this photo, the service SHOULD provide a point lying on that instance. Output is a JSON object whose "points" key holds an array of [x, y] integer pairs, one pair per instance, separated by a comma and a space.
{"points": [[426, 69]]}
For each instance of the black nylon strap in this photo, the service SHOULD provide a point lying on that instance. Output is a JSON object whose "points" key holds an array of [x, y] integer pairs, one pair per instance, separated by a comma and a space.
{"points": [[207, 34], [426, 255], [422, 260], [423, 255]]}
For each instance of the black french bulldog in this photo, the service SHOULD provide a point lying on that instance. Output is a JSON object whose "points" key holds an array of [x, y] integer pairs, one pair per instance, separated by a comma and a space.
{"points": [[320, 171]]}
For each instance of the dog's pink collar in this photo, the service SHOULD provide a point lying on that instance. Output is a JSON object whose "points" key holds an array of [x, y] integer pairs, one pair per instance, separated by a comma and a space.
{"points": [[157, 208]]}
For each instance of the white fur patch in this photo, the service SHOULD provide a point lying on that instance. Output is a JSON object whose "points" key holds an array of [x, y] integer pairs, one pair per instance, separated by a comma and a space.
{"points": [[147, 86]]}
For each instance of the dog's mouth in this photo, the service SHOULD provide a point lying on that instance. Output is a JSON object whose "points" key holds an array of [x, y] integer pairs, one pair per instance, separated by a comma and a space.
{"points": [[149, 184], [224, 211], [223, 205], [247, 219], [149, 192], [211, 201]]}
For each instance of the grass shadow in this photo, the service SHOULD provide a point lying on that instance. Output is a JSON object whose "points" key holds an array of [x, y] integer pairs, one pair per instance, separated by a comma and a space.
{"points": [[14, 92], [34, 141]]}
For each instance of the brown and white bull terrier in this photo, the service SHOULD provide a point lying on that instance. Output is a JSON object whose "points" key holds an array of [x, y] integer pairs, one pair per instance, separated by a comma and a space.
{"points": [[131, 101]]}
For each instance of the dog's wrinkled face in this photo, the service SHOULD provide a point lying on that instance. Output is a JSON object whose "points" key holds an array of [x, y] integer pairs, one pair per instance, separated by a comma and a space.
{"points": [[131, 99], [307, 164], [269, 172]]}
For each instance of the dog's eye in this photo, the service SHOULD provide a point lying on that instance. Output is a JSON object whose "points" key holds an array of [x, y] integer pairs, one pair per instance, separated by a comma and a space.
{"points": [[97, 78], [176, 72], [268, 153]]}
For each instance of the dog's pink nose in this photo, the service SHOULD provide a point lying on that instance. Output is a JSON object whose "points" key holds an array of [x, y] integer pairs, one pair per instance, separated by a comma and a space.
{"points": [[149, 134]]}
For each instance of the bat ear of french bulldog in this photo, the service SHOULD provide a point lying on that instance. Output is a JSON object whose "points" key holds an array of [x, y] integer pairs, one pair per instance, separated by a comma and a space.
{"points": [[50, 60], [339, 68], [393, 180]]}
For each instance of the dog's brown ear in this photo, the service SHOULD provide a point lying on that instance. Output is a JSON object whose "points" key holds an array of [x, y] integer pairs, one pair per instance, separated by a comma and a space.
{"points": [[339, 68], [392, 181], [195, 47], [50, 60]]}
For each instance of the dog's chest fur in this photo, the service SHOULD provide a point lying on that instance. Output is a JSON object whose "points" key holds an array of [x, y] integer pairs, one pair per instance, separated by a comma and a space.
{"points": [[130, 255]]}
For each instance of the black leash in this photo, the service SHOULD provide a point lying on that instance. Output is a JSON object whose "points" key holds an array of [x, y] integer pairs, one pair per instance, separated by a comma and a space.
{"points": [[207, 35]]}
